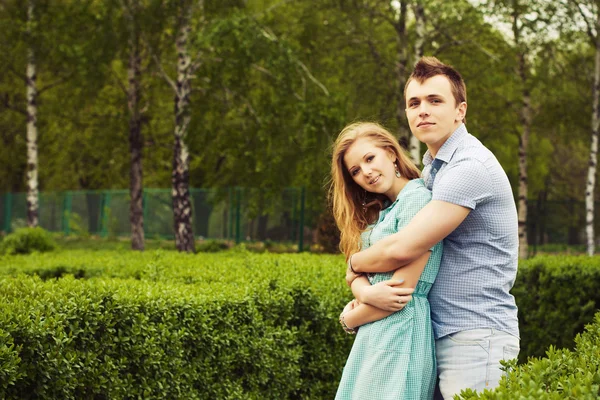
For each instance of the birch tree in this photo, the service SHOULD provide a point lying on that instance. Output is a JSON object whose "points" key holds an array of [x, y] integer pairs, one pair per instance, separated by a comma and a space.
{"points": [[529, 23], [32, 134], [182, 87], [589, 13]]}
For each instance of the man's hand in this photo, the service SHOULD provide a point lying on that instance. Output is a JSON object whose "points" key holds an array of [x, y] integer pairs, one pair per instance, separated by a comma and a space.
{"points": [[386, 295]]}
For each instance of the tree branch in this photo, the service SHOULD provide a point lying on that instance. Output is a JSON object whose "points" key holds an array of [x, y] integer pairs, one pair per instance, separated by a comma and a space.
{"points": [[7, 104], [55, 83], [118, 80], [589, 31]]}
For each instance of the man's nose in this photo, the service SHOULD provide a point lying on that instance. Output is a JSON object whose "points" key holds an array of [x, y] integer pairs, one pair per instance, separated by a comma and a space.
{"points": [[423, 109]]}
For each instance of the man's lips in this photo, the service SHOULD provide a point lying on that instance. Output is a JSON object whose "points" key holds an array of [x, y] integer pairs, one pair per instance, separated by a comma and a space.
{"points": [[424, 123]]}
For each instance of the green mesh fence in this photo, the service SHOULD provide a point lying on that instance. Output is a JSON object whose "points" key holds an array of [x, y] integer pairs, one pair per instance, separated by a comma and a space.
{"points": [[238, 214]]}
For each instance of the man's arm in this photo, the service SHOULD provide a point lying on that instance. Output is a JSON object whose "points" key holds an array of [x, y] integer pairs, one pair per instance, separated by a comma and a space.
{"points": [[430, 225], [391, 295]]}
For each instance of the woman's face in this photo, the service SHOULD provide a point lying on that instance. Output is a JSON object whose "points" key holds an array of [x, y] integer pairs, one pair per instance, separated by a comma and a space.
{"points": [[371, 167]]}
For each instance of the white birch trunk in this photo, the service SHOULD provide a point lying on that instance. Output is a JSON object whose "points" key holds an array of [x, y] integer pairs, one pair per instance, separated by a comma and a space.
{"points": [[32, 134], [525, 119], [180, 177], [523, 184], [591, 178], [419, 11]]}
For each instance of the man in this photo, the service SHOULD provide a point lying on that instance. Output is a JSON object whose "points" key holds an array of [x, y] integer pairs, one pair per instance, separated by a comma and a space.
{"points": [[472, 209]]}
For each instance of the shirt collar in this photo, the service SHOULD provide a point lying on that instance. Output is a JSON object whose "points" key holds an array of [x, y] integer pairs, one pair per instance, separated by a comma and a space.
{"points": [[448, 148]]}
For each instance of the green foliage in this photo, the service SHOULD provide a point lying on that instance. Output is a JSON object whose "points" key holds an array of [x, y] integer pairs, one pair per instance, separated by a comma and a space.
{"points": [[188, 314], [160, 324], [27, 240], [328, 234], [562, 374], [211, 246], [556, 296]]}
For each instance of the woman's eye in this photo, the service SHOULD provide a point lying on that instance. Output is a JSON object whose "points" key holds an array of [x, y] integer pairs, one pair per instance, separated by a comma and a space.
{"points": [[354, 171], [370, 158]]}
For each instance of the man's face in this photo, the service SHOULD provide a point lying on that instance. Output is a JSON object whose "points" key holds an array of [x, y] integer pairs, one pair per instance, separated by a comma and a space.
{"points": [[432, 112]]}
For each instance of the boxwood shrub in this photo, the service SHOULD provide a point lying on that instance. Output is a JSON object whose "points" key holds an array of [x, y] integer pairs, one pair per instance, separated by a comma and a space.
{"points": [[294, 298], [228, 330], [561, 375], [27, 240]]}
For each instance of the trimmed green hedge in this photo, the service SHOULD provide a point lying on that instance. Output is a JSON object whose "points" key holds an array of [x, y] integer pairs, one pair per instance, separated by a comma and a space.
{"points": [[227, 327], [557, 296], [74, 339], [563, 374], [289, 302]]}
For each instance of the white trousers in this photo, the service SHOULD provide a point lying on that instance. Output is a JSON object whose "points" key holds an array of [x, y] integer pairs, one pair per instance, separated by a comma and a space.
{"points": [[471, 359]]}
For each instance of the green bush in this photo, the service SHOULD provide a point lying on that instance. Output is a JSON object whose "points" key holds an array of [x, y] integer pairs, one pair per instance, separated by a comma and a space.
{"points": [[294, 296], [211, 246], [167, 325], [563, 374], [557, 296], [27, 240]]}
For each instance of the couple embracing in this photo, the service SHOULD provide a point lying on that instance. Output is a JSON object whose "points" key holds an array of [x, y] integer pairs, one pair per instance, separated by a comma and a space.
{"points": [[432, 257]]}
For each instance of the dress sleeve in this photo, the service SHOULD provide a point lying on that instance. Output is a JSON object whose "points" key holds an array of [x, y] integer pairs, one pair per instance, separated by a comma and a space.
{"points": [[410, 205]]}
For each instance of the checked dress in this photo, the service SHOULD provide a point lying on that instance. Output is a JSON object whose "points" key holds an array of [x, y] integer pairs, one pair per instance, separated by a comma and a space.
{"points": [[394, 358]]}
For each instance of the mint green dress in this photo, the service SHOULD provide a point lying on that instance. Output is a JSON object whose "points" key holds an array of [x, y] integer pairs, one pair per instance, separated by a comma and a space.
{"points": [[394, 358]]}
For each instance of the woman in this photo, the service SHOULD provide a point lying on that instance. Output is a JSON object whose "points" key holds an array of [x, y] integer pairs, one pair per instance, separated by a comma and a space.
{"points": [[376, 191]]}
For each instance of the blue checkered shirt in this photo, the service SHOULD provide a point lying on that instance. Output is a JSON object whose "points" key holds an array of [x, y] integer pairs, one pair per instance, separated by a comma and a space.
{"points": [[479, 262]]}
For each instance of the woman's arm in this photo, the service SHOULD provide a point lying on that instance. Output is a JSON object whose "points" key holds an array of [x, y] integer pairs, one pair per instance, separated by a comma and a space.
{"points": [[384, 298]]}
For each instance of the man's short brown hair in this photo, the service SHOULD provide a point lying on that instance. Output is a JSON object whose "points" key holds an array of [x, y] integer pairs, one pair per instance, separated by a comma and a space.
{"points": [[428, 67]]}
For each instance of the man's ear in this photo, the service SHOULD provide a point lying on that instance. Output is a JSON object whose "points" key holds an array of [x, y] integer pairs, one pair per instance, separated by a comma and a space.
{"points": [[461, 111]]}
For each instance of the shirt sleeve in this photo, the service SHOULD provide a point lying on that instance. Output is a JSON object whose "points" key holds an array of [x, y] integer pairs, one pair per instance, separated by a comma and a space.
{"points": [[465, 182]]}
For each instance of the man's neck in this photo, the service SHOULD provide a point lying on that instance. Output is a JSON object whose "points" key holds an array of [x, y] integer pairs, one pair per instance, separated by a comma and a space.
{"points": [[435, 147]]}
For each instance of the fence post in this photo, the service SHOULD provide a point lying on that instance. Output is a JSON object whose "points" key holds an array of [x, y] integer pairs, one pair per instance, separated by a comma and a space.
{"points": [[103, 214], [293, 214], [7, 212], [230, 214], [301, 238], [67, 205], [145, 214], [238, 207]]}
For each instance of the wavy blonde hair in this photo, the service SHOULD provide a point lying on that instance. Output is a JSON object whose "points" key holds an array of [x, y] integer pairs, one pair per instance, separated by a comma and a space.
{"points": [[347, 197]]}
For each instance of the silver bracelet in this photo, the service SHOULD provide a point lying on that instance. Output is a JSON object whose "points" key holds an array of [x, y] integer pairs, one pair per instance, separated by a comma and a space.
{"points": [[347, 329]]}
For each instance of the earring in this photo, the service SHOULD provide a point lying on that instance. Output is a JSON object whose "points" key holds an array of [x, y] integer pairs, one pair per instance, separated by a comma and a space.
{"points": [[397, 171]]}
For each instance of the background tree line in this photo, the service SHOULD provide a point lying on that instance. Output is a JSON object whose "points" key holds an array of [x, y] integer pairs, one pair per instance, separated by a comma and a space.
{"points": [[103, 94]]}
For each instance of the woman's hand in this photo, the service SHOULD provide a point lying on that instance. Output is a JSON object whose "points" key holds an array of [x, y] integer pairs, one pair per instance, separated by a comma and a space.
{"points": [[386, 295], [350, 306]]}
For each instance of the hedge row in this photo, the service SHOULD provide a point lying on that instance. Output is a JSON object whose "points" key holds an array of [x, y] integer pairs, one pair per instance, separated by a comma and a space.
{"points": [[295, 298], [556, 295], [563, 374], [78, 339]]}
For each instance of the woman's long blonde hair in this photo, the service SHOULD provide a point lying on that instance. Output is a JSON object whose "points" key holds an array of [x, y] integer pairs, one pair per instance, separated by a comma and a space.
{"points": [[353, 207]]}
